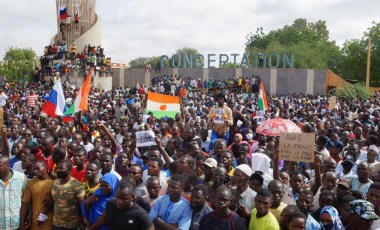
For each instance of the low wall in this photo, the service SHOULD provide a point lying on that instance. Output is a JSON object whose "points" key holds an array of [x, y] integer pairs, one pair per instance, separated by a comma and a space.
{"points": [[276, 81]]}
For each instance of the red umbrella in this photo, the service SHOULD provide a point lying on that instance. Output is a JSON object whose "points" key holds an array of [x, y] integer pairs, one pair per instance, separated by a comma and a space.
{"points": [[276, 126]]}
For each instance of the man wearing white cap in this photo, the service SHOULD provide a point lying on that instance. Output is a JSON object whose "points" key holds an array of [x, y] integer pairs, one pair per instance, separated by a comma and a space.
{"points": [[209, 167], [247, 195], [374, 164]]}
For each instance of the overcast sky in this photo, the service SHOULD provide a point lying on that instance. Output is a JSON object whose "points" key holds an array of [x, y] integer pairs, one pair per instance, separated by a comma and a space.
{"points": [[133, 28]]}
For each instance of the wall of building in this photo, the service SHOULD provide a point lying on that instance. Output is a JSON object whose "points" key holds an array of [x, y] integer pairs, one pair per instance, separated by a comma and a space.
{"points": [[334, 80], [91, 36], [276, 81]]}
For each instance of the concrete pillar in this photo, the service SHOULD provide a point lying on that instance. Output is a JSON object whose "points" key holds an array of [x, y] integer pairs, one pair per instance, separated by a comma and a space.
{"points": [[175, 71], [273, 81], [206, 75], [147, 79], [238, 72], [121, 78], [310, 81]]}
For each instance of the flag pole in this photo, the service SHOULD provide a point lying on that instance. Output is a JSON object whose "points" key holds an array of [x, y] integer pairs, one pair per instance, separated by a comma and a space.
{"points": [[368, 64]]}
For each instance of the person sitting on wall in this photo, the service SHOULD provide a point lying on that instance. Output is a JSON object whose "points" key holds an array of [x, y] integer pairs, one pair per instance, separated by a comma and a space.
{"points": [[148, 67], [221, 120]]}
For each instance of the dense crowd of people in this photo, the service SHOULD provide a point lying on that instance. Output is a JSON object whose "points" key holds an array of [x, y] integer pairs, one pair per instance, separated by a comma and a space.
{"points": [[63, 60], [173, 84], [207, 169]]}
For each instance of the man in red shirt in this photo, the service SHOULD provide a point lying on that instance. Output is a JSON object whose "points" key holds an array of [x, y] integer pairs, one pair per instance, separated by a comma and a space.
{"points": [[47, 147], [79, 159]]}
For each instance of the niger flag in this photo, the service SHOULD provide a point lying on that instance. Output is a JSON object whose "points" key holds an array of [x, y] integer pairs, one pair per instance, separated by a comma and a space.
{"points": [[81, 101], [163, 105], [262, 102]]}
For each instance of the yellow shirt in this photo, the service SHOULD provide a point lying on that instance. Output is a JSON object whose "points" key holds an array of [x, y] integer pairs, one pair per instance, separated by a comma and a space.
{"points": [[231, 172], [276, 212], [89, 191], [267, 222]]}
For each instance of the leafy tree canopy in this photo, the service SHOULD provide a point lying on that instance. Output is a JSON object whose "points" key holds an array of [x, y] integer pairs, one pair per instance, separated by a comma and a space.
{"points": [[18, 64], [142, 61], [309, 41], [19, 54], [354, 52]]}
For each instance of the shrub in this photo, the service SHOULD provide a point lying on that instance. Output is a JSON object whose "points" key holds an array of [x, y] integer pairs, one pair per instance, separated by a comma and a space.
{"points": [[353, 91]]}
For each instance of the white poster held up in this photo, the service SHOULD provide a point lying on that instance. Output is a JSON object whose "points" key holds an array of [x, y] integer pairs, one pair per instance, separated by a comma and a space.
{"points": [[145, 138], [332, 103], [260, 117]]}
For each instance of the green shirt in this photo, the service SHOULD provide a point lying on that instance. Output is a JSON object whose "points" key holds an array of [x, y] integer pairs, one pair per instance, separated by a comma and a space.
{"points": [[267, 222], [66, 206]]}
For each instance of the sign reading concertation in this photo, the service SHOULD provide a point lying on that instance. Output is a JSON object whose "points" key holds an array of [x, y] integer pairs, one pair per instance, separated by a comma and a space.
{"points": [[251, 60]]}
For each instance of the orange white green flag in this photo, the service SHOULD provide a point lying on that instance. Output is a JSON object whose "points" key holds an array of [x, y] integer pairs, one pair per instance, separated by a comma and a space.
{"points": [[262, 102], [81, 101], [163, 105]]}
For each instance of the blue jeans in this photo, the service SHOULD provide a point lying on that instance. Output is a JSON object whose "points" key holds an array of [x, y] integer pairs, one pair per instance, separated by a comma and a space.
{"points": [[215, 136]]}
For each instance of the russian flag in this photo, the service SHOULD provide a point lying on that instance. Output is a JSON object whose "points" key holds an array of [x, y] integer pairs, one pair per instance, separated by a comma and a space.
{"points": [[62, 13], [55, 104]]}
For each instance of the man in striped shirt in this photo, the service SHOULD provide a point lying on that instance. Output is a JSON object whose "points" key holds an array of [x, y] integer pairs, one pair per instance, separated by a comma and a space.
{"points": [[32, 99], [12, 187]]}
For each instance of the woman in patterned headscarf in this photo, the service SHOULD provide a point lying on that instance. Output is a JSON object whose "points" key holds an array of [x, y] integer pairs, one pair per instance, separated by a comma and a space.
{"points": [[329, 219]]}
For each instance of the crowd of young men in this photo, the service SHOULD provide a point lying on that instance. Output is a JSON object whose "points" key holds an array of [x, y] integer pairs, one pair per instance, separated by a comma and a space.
{"points": [[208, 168]]}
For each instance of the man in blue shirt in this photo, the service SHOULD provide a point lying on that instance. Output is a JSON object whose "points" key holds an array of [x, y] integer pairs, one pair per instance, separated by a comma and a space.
{"points": [[172, 210], [304, 203], [199, 204]]}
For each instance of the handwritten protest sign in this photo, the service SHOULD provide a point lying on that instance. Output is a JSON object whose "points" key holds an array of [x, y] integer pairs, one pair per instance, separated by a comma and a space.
{"points": [[145, 138], [297, 147], [332, 103]]}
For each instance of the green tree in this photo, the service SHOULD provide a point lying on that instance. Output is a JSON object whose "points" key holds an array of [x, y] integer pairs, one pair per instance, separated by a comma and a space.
{"points": [[353, 91], [374, 33], [230, 65], [354, 57], [18, 64], [308, 41], [188, 52], [141, 62], [353, 65]]}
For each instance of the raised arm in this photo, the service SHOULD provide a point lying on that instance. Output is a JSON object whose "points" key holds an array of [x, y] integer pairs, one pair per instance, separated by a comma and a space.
{"points": [[6, 150], [230, 118], [164, 154], [318, 177], [107, 132], [182, 110]]}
